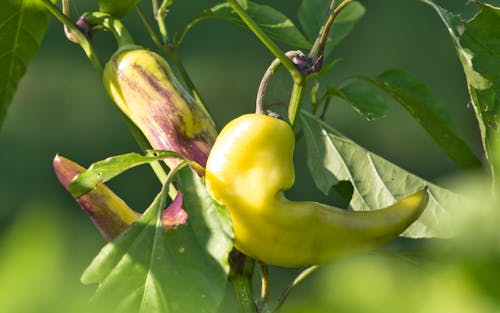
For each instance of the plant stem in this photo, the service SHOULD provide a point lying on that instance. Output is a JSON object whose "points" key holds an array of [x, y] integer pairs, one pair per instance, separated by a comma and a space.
{"points": [[320, 42], [268, 42], [297, 91], [76, 34], [180, 38], [143, 143], [259, 102], [297, 76], [159, 14], [243, 290], [295, 101], [171, 52], [264, 293], [66, 12], [295, 282], [240, 276], [157, 41], [121, 34]]}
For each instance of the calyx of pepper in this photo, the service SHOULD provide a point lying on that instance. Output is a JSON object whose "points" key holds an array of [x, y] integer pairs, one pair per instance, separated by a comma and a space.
{"points": [[249, 167]]}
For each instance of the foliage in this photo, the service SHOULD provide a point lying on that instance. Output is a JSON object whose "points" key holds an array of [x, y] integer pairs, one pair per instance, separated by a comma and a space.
{"points": [[22, 29], [156, 267]]}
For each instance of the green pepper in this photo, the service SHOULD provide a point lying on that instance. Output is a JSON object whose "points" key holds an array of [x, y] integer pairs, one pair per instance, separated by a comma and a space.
{"points": [[117, 8], [141, 83], [249, 168]]}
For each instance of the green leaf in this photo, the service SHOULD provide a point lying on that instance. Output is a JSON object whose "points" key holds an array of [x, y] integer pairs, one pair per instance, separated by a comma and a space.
{"points": [[103, 171], [274, 23], [482, 38], [365, 99], [419, 101], [478, 47], [22, 27], [312, 14], [377, 183], [210, 221], [456, 26], [184, 269]]}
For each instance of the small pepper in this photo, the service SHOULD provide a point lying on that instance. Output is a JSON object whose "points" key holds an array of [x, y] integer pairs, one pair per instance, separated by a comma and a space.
{"points": [[141, 83], [110, 214]]}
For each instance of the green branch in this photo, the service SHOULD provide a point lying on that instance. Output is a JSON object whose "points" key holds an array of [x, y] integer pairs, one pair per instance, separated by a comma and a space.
{"points": [[171, 52], [295, 282], [295, 101], [240, 276], [320, 43], [121, 34]]}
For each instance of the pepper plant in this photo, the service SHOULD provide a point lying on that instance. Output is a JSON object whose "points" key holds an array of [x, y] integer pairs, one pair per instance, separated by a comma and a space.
{"points": [[221, 221]]}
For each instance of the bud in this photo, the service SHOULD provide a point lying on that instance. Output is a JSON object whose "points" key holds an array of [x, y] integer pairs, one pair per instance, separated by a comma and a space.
{"points": [[110, 213]]}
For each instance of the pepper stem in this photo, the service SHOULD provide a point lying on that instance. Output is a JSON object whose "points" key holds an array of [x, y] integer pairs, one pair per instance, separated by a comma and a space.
{"points": [[271, 70], [171, 52], [295, 101], [122, 36]]}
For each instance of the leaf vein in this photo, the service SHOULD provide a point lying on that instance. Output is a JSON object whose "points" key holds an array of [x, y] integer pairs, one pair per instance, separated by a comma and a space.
{"points": [[150, 274], [378, 176], [346, 167]]}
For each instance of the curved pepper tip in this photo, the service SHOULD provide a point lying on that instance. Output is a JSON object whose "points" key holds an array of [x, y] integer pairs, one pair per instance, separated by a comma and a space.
{"points": [[110, 213]]}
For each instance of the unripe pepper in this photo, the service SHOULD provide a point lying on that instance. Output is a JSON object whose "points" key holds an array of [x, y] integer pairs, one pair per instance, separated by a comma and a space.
{"points": [[249, 167], [110, 214], [141, 83]]}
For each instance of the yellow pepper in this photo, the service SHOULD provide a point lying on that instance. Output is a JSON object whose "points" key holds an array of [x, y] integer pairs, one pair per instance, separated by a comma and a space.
{"points": [[249, 167]]}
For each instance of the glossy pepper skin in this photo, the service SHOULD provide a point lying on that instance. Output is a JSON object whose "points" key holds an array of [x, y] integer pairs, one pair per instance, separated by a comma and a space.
{"points": [[250, 166], [117, 8], [141, 83]]}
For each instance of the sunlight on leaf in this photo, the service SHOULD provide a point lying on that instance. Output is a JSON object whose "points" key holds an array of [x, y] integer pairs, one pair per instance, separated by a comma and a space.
{"points": [[274, 23], [377, 183], [184, 269], [103, 171]]}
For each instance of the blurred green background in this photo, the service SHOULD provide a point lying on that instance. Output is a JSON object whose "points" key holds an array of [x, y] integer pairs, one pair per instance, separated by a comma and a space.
{"points": [[61, 107]]}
